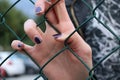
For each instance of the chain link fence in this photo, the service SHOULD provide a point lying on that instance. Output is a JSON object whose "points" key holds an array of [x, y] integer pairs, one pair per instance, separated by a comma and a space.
{"points": [[4, 24]]}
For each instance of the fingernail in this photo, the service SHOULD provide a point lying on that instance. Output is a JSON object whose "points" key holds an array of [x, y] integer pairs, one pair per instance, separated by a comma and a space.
{"points": [[38, 9], [20, 45], [37, 40], [56, 35]]}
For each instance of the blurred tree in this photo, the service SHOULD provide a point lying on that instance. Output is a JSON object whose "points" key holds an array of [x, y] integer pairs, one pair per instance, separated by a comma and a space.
{"points": [[15, 19], [41, 22]]}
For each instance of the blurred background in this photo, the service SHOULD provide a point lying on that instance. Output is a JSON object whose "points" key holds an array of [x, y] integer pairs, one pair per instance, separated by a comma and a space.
{"points": [[19, 66], [15, 19]]}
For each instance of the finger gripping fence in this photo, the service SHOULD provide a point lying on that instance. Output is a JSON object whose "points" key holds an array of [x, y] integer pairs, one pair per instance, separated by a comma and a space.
{"points": [[4, 24]]}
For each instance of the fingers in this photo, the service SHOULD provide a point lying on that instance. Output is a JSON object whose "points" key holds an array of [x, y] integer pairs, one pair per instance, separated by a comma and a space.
{"points": [[57, 14], [33, 32], [18, 45], [61, 11], [41, 7]]}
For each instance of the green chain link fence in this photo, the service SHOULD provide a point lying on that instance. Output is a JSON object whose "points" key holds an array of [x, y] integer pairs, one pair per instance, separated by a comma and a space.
{"points": [[4, 24]]}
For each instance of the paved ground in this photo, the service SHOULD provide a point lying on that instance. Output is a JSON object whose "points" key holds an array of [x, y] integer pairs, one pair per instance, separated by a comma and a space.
{"points": [[25, 77]]}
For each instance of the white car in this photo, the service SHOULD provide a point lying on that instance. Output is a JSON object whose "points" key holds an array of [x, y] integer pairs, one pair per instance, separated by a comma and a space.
{"points": [[13, 66]]}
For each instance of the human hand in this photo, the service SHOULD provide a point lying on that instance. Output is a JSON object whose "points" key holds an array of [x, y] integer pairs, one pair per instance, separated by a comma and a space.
{"points": [[65, 66]]}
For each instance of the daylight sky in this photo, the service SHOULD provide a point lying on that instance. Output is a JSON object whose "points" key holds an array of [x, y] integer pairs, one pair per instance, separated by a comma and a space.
{"points": [[26, 7]]}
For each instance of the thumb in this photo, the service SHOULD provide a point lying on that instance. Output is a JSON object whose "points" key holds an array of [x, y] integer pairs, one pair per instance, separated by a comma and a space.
{"points": [[78, 45], [67, 37], [60, 37]]}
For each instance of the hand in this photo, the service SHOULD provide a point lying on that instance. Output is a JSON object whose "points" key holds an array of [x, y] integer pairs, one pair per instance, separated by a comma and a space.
{"points": [[65, 66]]}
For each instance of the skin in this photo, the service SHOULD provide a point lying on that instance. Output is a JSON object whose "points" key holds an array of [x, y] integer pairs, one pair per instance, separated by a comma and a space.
{"points": [[65, 66]]}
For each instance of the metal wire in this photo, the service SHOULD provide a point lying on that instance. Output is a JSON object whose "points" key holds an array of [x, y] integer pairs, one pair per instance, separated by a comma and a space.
{"points": [[92, 16]]}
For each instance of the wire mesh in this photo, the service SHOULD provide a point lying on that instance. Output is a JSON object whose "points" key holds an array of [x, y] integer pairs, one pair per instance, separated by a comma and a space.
{"points": [[3, 23]]}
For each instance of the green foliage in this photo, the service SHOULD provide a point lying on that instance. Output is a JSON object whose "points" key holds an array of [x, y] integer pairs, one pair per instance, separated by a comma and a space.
{"points": [[15, 19], [41, 21]]}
